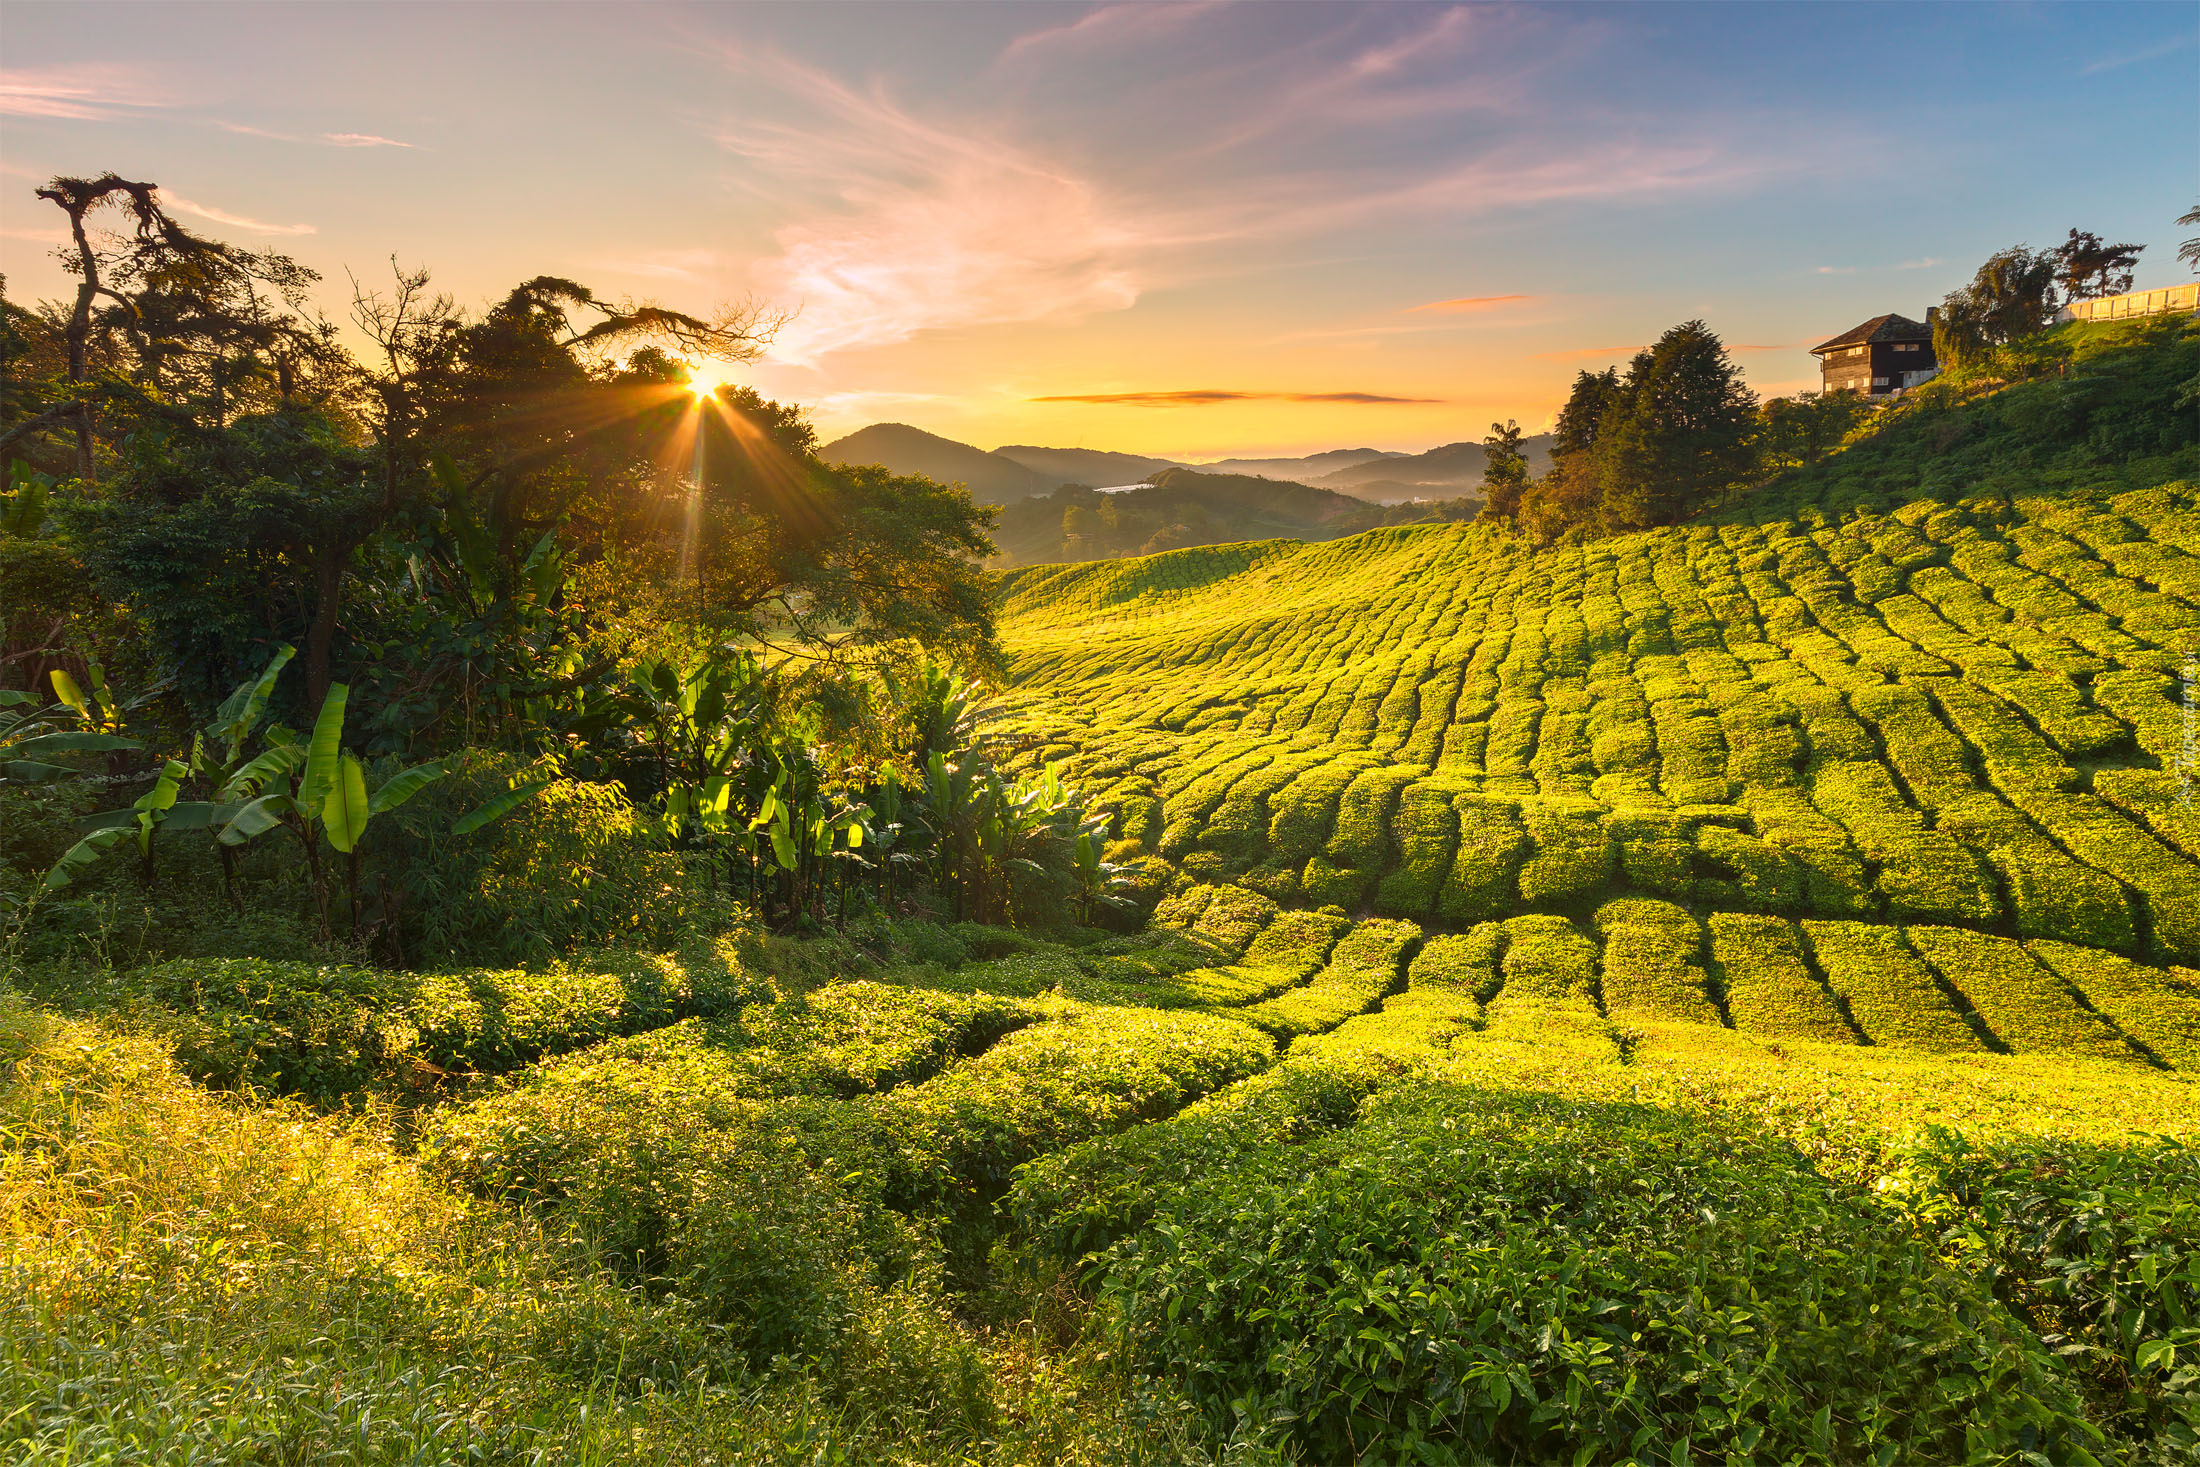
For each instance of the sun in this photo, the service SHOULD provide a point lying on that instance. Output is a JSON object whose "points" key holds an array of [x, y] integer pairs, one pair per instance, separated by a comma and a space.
{"points": [[705, 377]]}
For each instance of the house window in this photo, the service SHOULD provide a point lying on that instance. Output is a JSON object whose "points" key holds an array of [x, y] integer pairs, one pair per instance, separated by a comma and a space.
{"points": [[1879, 381]]}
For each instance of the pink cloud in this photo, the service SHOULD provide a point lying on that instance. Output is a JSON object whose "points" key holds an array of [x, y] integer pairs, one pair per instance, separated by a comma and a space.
{"points": [[76, 93], [235, 221], [1471, 303], [360, 140]]}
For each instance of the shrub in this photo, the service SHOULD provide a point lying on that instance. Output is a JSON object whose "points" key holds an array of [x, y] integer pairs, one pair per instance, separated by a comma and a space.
{"points": [[1548, 961], [576, 866], [333, 1032], [2158, 1009], [2096, 1247], [1491, 846], [2027, 1007], [1504, 1277], [1768, 983], [1653, 965], [1361, 969], [1889, 994]]}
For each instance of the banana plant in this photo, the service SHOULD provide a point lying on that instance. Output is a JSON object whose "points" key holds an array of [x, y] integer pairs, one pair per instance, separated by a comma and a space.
{"points": [[221, 780], [31, 735], [318, 790], [1100, 882], [141, 821]]}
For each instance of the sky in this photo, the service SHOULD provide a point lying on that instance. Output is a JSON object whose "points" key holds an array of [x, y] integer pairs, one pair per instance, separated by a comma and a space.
{"points": [[1190, 230]]}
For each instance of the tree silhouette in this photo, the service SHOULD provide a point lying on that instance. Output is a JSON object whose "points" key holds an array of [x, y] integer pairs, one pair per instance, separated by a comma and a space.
{"points": [[2087, 268]]}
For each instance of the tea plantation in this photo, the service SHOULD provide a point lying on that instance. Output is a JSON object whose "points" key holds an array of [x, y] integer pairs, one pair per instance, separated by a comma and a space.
{"points": [[1725, 994]]}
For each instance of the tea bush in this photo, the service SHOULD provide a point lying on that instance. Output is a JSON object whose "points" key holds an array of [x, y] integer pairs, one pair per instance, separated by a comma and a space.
{"points": [[1469, 1275]]}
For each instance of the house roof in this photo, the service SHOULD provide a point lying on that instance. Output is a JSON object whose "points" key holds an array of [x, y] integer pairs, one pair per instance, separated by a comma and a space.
{"points": [[1878, 328]]}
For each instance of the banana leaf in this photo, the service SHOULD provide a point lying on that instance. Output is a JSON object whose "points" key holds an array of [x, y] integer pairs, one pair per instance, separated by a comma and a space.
{"points": [[30, 771], [240, 712], [498, 808], [325, 749], [74, 741], [83, 854], [344, 812], [278, 762], [257, 818], [65, 688], [402, 786]]}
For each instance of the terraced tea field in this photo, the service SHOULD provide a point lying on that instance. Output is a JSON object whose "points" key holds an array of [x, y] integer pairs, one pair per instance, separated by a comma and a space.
{"points": [[1933, 759]]}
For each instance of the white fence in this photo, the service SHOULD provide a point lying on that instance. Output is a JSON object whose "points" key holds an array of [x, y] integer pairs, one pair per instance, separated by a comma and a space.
{"points": [[2138, 303]]}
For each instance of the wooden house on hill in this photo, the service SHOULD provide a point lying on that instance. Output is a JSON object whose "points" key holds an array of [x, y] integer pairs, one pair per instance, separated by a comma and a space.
{"points": [[1885, 354]]}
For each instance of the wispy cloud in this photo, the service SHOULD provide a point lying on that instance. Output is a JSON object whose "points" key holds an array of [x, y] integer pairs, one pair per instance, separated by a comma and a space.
{"points": [[1927, 263], [932, 226], [1579, 352], [902, 218], [234, 221], [2133, 58], [677, 265], [1107, 25], [1203, 396], [77, 93], [1471, 303], [325, 139]]}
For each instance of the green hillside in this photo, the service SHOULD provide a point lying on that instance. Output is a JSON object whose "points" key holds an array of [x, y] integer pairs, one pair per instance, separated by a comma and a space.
{"points": [[1881, 692], [1723, 994]]}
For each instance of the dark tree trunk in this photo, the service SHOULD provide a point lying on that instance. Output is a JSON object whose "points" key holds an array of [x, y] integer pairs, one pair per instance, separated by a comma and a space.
{"points": [[328, 588]]}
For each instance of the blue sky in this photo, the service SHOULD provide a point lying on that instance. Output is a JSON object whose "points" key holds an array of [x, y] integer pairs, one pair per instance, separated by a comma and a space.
{"points": [[1381, 225]]}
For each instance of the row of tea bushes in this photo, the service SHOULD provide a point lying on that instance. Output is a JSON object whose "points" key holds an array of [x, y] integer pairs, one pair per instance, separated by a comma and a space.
{"points": [[333, 1032], [1877, 716], [783, 1210], [1918, 986], [1520, 1277]]}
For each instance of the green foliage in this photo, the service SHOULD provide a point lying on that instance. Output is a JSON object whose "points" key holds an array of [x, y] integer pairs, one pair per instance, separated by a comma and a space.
{"points": [[572, 865], [1508, 1276], [2095, 1247], [336, 1033]]}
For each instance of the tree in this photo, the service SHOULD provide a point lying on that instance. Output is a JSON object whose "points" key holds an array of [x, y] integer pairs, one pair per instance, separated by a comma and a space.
{"points": [[226, 540], [1798, 431], [1593, 395], [2011, 297], [2085, 268], [1681, 433], [1504, 470], [194, 317], [2189, 251]]}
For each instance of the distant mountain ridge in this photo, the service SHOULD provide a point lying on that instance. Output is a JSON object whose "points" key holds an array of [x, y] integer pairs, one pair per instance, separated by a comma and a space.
{"points": [[1454, 468], [1095, 468], [1017, 471], [990, 478], [1181, 507]]}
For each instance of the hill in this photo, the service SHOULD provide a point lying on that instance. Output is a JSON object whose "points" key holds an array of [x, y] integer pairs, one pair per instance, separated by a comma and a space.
{"points": [[1184, 507], [1728, 993], [1453, 469], [1307, 469], [990, 478], [1093, 467]]}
